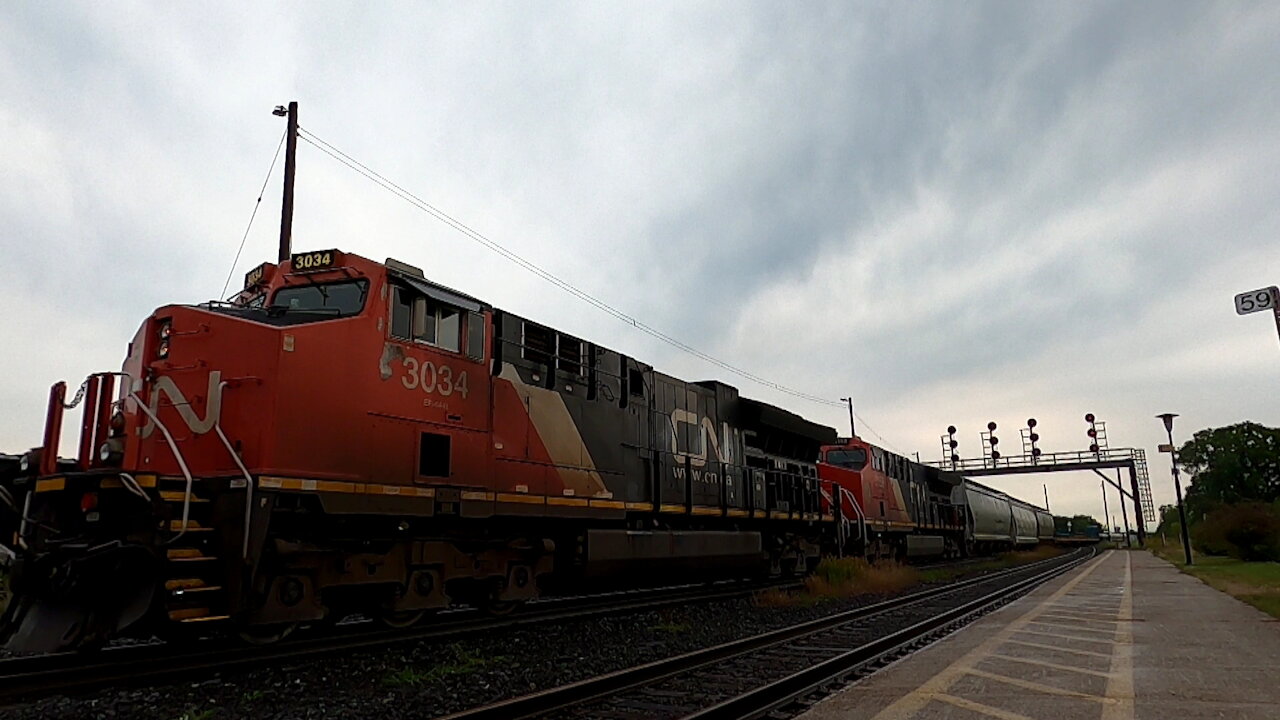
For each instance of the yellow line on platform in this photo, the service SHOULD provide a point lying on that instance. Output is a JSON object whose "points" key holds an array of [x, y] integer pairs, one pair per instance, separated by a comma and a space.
{"points": [[1120, 686], [910, 705], [1058, 648], [1063, 617], [978, 707], [1107, 635], [1050, 665], [1032, 686], [1060, 636]]}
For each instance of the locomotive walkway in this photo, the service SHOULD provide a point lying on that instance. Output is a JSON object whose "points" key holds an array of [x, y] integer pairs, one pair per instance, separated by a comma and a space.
{"points": [[1124, 637]]}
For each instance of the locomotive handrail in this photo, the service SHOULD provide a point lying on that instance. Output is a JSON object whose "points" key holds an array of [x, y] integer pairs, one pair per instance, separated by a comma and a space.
{"points": [[862, 518], [248, 487], [177, 454]]}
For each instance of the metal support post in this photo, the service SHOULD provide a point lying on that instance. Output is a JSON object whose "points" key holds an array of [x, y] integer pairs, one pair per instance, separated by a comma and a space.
{"points": [[1177, 485], [1106, 514]]}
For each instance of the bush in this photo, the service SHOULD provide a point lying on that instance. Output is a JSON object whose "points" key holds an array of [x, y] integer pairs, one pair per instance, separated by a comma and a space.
{"points": [[1248, 531]]}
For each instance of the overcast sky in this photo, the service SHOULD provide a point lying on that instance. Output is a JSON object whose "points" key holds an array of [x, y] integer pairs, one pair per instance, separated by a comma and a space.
{"points": [[957, 212]]}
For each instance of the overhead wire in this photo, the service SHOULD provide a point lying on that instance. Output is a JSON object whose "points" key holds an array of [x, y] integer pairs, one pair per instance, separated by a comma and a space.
{"points": [[257, 204], [480, 238]]}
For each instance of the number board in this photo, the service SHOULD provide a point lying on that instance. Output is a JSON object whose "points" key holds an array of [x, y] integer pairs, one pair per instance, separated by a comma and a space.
{"points": [[1256, 300], [254, 276], [313, 261]]}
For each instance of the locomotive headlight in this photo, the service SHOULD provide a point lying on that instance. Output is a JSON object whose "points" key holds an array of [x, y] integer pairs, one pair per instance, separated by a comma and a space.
{"points": [[111, 451], [164, 333], [117, 424], [25, 463]]}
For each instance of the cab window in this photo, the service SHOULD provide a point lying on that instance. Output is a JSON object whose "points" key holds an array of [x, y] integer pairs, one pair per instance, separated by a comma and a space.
{"points": [[418, 318], [853, 459], [339, 299]]}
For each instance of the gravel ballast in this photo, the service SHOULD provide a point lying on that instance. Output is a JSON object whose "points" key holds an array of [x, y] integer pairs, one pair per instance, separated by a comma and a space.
{"points": [[425, 679]]}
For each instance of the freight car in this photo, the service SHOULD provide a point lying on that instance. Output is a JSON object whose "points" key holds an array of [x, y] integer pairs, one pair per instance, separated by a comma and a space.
{"points": [[349, 437]]}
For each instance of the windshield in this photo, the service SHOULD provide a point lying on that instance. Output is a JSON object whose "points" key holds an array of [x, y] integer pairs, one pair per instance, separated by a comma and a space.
{"points": [[340, 299], [852, 459]]}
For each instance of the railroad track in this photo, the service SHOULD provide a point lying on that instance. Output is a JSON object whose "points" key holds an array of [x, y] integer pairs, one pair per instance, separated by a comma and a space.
{"points": [[754, 676], [41, 675]]}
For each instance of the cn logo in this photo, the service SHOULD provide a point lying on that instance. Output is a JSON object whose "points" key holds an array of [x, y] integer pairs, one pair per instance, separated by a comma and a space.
{"points": [[694, 441], [198, 425]]}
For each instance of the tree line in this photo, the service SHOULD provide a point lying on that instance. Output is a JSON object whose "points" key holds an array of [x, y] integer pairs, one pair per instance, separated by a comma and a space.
{"points": [[1233, 501]]}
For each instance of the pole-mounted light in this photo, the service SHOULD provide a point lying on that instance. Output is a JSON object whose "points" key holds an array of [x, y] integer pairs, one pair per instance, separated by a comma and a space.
{"points": [[1177, 485]]}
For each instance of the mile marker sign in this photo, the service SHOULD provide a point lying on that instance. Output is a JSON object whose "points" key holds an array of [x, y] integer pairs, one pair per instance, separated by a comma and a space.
{"points": [[1259, 300], [1256, 300]]}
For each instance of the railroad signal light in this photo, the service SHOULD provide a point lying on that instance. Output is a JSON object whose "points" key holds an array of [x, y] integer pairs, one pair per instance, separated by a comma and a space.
{"points": [[1029, 439], [1093, 448], [949, 445], [992, 441], [1088, 417]]}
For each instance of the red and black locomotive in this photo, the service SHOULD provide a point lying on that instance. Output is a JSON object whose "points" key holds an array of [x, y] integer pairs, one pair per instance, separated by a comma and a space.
{"points": [[348, 437]]}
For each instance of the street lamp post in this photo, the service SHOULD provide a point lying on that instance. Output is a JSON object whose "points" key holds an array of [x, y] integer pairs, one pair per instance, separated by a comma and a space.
{"points": [[1177, 484]]}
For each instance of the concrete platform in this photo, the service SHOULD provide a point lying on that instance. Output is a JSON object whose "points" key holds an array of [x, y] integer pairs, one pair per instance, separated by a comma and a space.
{"points": [[1125, 636]]}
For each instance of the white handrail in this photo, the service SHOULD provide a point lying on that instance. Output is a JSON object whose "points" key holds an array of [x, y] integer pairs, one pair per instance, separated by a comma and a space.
{"points": [[182, 463], [862, 518], [248, 488]]}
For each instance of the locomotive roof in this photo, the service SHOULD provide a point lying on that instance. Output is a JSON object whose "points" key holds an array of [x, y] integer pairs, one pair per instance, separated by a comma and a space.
{"points": [[786, 421]]}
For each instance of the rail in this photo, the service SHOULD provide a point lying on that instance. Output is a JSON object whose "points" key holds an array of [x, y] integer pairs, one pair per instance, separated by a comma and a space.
{"points": [[65, 672], [555, 702]]}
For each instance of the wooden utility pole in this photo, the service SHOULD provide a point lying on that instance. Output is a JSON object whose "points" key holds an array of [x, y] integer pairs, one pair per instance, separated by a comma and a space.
{"points": [[290, 165], [853, 429]]}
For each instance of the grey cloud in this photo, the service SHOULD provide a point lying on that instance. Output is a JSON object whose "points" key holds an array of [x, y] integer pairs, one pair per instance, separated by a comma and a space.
{"points": [[937, 206]]}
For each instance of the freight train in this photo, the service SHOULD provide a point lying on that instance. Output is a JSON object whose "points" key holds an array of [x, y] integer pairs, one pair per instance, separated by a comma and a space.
{"points": [[889, 506], [346, 436]]}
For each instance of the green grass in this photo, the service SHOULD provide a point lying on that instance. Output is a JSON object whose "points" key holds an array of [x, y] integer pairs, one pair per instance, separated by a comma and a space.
{"points": [[463, 663], [1256, 583]]}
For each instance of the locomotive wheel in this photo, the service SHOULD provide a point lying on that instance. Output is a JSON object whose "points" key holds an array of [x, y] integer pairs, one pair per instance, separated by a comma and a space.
{"points": [[266, 634], [402, 619]]}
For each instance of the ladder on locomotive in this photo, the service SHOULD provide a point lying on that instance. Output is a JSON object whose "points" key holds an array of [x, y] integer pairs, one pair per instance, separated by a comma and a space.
{"points": [[194, 578]]}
